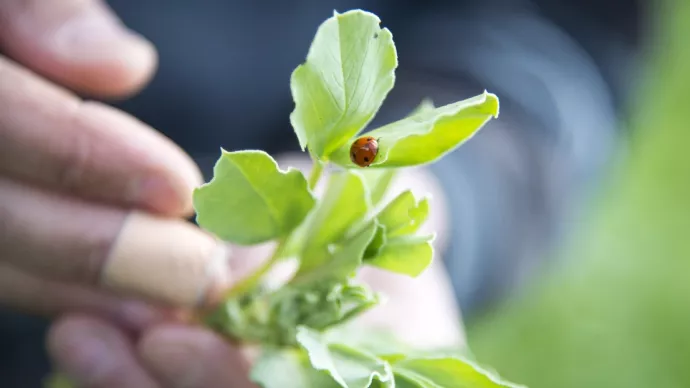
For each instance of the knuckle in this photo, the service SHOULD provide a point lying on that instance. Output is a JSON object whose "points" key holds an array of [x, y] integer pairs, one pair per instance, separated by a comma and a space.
{"points": [[78, 154]]}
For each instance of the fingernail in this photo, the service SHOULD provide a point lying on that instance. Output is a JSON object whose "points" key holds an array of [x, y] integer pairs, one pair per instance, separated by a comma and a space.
{"points": [[171, 190], [160, 194], [168, 260], [94, 34]]}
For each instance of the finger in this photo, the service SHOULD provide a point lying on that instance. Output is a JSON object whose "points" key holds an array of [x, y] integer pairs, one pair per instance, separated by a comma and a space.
{"points": [[93, 353], [30, 294], [192, 357], [131, 253], [50, 138], [78, 43]]}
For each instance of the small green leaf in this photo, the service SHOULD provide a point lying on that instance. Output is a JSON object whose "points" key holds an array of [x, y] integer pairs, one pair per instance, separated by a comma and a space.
{"points": [[288, 369], [343, 262], [446, 372], [377, 242], [327, 304], [428, 135], [407, 255], [351, 368], [350, 69], [400, 217], [345, 201], [404, 215], [250, 200]]}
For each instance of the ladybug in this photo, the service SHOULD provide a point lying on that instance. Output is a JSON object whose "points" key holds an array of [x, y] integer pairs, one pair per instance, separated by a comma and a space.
{"points": [[363, 151]]}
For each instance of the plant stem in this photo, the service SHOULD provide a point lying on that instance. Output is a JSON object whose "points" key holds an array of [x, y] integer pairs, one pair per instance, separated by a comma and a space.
{"points": [[252, 280], [316, 172]]}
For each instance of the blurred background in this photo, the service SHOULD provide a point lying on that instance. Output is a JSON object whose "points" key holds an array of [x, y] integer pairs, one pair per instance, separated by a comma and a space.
{"points": [[569, 212]]}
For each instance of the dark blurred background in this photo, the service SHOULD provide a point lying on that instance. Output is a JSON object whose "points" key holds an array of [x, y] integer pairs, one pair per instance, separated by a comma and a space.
{"points": [[562, 69]]}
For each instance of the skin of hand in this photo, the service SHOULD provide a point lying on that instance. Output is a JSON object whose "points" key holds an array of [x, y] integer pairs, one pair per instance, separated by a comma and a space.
{"points": [[92, 204]]}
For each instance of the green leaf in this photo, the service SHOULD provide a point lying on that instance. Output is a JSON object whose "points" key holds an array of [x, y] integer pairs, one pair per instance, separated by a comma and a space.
{"points": [[404, 382], [350, 69], [445, 372], [379, 179], [351, 368], [288, 369], [407, 255], [379, 240], [404, 215], [250, 200], [400, 217], [377, 341], [345, 202], [326, 304], [343, 262], [428, 135]]}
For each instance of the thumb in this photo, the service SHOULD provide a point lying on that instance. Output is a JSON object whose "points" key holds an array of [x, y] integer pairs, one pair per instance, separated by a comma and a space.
{"points": [[79, 44]]}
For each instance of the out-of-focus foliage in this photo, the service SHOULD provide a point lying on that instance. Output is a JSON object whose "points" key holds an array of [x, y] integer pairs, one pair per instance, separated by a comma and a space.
{"points": [[618, 313]]}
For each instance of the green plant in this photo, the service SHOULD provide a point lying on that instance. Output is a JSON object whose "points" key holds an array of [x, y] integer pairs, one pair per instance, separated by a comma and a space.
{"points": [[349, 70], [300, 326]]}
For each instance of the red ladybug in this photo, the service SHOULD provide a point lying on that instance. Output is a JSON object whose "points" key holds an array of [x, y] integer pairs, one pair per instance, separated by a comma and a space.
{"points": [[364, 150]]}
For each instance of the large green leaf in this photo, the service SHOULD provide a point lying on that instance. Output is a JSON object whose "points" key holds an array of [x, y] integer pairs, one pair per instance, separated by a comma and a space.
{"points": [[445, 372], [427, 135], [379, 179], [349, 367], [350, 68], [250, 200]]}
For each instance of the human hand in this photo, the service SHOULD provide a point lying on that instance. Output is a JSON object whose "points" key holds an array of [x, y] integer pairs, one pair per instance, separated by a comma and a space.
{"points": [[420, 311], [90, 198]]}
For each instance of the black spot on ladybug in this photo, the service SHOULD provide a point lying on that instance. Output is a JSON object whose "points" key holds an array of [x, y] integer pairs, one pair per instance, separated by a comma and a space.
{"points": [[366, 159], [376, 35]]}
